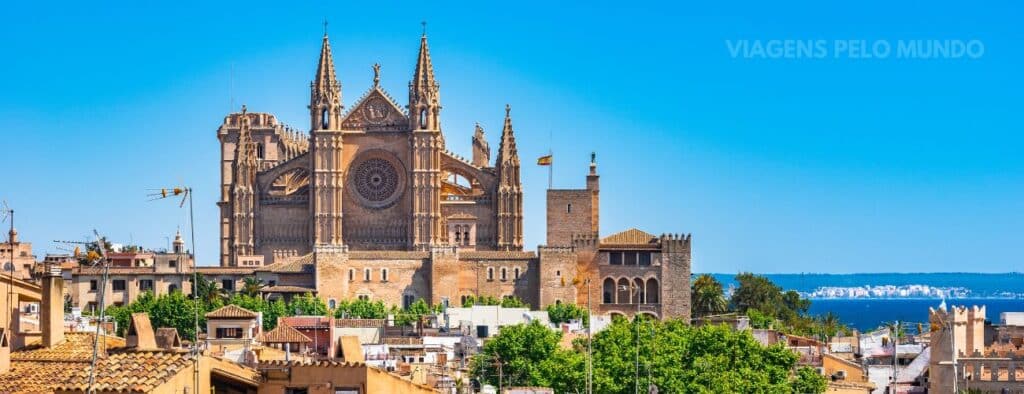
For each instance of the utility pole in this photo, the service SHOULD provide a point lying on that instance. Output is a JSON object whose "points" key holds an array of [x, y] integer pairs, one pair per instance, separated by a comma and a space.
{"points": [[590, 346]]}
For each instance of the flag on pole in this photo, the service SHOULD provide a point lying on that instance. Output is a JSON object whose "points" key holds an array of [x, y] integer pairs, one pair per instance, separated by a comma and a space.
{"points": [[544, 160]]}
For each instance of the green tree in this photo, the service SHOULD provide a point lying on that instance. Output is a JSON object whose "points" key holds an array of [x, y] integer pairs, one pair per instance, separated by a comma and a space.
{"points": [[411, 315], [361, 309], [308, 305], [707, 296], [513, 302], [209, 292], [563, 313], [809, 381], [525, 351], [251, 286], [170, 310]]}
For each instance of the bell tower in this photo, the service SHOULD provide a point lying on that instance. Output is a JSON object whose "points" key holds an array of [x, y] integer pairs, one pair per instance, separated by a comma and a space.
{"points": [[427, 145], [326, 152]]}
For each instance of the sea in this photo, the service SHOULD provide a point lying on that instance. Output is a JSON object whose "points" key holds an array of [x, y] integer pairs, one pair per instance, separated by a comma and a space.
{"points": [[867, 301]]}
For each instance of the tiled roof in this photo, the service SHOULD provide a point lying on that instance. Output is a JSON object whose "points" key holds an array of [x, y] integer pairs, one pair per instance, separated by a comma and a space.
{"points": [[77, 346], [282, 334], [496, 255], [127, 371], [167, 338], [65, 367], [630, 237], [231, 312], [287, 289], [225, 270], [306, 321], [387, 254], [302, 264], [359, 323]]}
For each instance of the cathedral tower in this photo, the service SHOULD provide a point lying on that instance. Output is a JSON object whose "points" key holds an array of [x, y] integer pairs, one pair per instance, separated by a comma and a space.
{"points": [[326, 151], [427, 146], [243, 192], [510, 190]]}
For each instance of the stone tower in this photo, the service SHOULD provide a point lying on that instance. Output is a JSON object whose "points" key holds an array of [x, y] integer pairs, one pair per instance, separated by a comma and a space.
{"points": [[510, 190], [326, 148], [427, 146], [244, 191]]}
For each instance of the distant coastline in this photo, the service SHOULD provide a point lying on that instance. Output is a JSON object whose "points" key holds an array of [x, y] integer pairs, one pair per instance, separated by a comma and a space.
{"points": [[908, 286]]}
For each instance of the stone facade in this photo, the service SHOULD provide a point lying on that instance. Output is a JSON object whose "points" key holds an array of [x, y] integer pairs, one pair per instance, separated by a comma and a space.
{"points": [[370, 204]]}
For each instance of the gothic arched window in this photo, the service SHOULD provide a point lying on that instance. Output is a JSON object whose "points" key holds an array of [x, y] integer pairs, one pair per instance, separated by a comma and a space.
{"points": [[259, 151], [423, 118], [323, 119]]}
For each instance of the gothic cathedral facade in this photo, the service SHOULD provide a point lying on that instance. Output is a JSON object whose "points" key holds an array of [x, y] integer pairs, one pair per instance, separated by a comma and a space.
{"points": [[369, 203]]}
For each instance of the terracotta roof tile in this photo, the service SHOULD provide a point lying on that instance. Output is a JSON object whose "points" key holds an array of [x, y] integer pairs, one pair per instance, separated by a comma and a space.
{"points": [[282, 334], [302, 264], [231, 312], [496, 255], [66, 367], [630, 237], [287, 289]]}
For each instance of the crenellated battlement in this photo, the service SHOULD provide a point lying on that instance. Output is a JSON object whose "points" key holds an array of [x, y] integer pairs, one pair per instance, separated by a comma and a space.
{"points": [[675, 243]]}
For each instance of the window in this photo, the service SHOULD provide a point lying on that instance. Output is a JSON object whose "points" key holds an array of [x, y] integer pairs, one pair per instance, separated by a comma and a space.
{"points": [[323, 119], [515, 273], [364, 297], [119, 285], [463, 299], [615, 258], [490, 273], [645, 258], [118, 303], [259, 151], [229, 332], [629, 258], [445, 302], [94, 285], [351, 275], [91, 306], [568, 208], [383, 274], [271, 283], [504, 274], [407, 300], [558, 273], [172, 263], [297, 390], [366, 275], [172, 288], [332, 303], [146, 284], [227, 284]]}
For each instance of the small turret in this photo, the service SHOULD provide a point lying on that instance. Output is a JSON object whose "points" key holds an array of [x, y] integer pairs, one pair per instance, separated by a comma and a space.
{"points": [[179, 244], [481, 151]]}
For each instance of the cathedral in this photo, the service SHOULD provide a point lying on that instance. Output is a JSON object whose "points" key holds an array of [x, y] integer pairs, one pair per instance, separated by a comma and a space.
{"points": [[368, 203]]}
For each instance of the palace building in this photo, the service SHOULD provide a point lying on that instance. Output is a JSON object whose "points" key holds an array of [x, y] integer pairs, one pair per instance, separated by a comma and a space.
{"points": [[369, 203]]}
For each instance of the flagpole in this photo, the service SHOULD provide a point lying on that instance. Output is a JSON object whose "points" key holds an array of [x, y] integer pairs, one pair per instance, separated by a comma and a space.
{"points": [[551, 167]]}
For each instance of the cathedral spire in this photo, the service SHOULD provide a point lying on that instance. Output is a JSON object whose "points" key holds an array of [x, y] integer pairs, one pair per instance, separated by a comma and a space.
{"points": [[510, 189], [424, 93], [325, 92], [507, 147]]}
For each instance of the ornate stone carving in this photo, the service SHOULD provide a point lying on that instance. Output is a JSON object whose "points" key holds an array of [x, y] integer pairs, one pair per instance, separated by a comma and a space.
{"points": [[376, 179]]}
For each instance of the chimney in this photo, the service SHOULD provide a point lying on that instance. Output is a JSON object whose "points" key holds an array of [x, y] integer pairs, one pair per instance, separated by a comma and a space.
{"points": [[140, 332], [51, 314], [5, 352]]}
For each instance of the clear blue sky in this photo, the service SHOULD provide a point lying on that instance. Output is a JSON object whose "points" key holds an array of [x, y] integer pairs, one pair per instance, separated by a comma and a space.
{"points": [[774, 165]]}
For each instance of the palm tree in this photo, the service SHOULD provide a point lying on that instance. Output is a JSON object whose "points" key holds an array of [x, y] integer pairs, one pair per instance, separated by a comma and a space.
{"points": [[707, 297], [830, 325], [251, 286], [209, 291]]}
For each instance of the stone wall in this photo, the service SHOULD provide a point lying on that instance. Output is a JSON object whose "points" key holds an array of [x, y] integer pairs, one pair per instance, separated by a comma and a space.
{"points": [[675, 276], [569, 214], [558, 275]]}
